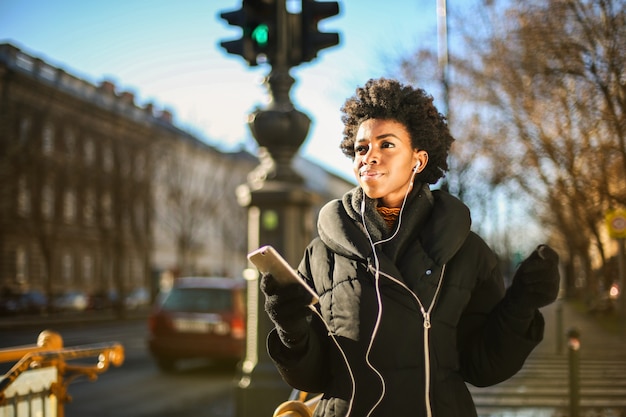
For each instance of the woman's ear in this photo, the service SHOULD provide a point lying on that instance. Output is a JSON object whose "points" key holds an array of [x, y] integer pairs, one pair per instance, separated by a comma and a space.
{"points": [[420, 159]]}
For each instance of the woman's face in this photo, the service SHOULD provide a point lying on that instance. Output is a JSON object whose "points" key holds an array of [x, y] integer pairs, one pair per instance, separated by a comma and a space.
{"points": [[384, 160]]}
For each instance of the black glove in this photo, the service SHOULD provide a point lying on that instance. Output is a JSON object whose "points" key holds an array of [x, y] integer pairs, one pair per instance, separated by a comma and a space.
{"points": [[536, 282], [287, 307]]}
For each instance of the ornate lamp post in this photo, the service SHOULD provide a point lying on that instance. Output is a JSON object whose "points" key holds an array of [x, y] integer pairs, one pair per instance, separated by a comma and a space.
{"points": [[279, 205], [279, 214]]}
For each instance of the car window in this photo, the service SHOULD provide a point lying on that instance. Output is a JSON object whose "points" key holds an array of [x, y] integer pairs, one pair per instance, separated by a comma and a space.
{"points": [[198, 299]]}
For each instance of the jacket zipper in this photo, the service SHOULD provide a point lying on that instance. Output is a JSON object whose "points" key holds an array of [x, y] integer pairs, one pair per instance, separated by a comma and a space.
{"points": [[427, 325]]}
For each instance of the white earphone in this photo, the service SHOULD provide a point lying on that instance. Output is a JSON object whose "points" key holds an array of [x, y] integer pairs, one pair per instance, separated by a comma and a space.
{"points": [[417, 166]]}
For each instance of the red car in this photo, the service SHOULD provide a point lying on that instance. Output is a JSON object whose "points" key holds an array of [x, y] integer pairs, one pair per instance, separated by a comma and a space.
{"points": [[200, 317]]}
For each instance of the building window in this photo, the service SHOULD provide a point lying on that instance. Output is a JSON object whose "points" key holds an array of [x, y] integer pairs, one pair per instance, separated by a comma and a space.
{"points": [[88, 270], [107, 158], [124, 164], [139, 216], [23, 198], [107, 210], [70, 143], [126, 220], [107, 273], [69, 206], [89, 150], [25, 126], [67, 269], [47, 139], [21, 265], [47, 201], [89, 208]]}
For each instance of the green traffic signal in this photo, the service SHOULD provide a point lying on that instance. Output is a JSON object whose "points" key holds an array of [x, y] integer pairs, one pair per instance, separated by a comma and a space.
{"points": [[260, 35], [262, 30], [256, 18]]}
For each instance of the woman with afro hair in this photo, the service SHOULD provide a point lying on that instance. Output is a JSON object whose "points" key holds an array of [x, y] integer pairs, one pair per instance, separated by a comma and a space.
{"points": [[412, 305]]}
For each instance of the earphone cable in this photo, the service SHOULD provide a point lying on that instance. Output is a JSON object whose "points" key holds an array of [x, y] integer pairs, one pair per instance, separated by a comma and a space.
{"points": [[377, 285], [345, 359]]}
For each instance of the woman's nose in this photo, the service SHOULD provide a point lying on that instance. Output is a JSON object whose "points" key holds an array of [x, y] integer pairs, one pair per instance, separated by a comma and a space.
{"points": [[371, 156]]}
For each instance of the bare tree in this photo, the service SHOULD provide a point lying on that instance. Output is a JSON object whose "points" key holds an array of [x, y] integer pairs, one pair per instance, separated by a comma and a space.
{"points": [[194, 201], [540, 86]]}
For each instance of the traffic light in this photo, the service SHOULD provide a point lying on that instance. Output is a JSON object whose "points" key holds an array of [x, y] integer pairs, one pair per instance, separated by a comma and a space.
{"points": [[312, 40], [257, 19]]}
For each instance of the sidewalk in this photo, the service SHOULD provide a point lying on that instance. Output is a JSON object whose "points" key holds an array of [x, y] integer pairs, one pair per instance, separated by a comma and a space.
{"points": [[596, 339], [542, 387]]}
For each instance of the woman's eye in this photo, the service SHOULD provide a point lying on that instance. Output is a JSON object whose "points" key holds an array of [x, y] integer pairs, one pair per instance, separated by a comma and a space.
{"points": [[360, 149], [387, 145]]}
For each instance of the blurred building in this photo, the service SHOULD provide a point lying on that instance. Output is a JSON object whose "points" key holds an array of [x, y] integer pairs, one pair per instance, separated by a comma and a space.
{"points": [[100, 195], [199, 227]]}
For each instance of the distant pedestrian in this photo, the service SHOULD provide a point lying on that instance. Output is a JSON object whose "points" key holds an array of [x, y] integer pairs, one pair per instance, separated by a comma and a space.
{"points": [[412, 304]]}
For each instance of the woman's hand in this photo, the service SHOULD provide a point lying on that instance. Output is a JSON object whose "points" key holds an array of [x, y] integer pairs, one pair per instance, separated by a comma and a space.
{"points": [[536, 282], [288, 308]]}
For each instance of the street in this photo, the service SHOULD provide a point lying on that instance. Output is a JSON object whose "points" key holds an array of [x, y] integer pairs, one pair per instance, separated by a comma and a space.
{"points": [[200, 389], [137, 388]]}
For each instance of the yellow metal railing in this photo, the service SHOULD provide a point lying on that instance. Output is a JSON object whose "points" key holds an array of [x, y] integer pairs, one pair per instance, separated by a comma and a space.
{"points": [[38, 382]]}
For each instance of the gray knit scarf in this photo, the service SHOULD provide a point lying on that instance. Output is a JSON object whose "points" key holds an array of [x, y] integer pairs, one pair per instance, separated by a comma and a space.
{"points": [[416, 211]]}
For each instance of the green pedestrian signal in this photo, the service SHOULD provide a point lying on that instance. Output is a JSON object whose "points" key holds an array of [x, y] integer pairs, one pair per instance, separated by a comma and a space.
{"points": [[257, 20], [292, 39], [260, 35]]}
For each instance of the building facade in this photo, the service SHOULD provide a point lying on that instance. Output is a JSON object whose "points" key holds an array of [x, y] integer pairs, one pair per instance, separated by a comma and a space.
{"points": [[101, 196], [199, 228], [75, 168]]}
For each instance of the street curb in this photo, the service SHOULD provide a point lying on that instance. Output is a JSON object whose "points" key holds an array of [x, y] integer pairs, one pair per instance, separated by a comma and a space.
{"points": [[28, 322]]}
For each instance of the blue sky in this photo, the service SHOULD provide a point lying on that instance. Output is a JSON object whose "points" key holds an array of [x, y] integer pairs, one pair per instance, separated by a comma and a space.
{"points": [[168, 53]]}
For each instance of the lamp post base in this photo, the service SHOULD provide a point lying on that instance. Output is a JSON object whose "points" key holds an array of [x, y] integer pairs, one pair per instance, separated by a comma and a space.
{"points": [[260, 392]]}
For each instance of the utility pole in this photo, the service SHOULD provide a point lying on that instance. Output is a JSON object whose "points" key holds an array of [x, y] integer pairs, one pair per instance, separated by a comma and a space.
{"points": [[442, 52], [279, 205]]}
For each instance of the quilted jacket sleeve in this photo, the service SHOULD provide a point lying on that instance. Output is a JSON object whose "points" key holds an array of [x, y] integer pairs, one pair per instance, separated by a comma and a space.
{"points": [[302, 370], [493, 345], [307, 370]]}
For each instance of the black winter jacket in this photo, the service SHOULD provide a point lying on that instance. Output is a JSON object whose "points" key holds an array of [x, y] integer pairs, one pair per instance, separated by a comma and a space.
{"points": [[441, 320]]}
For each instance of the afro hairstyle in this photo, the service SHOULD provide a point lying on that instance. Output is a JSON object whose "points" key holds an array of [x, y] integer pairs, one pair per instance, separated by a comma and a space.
{"points": [[388, 99]]}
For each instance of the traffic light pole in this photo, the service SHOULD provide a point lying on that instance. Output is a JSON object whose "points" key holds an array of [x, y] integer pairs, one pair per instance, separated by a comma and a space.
{"points": [[279, 205], [279, 214]]}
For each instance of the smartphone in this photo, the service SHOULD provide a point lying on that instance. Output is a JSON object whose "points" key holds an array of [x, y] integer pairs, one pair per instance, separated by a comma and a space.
{"points": [[269, 261]]}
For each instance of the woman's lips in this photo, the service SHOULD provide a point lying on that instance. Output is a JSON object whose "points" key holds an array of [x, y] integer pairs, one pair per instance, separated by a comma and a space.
{"points": [[368, 174]]}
